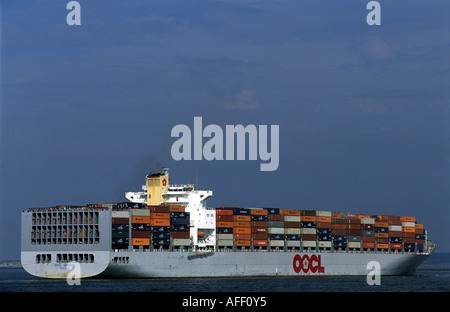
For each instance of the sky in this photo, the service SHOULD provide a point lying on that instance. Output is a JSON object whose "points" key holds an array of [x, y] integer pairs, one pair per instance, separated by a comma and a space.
{"points": [[363, 111]]}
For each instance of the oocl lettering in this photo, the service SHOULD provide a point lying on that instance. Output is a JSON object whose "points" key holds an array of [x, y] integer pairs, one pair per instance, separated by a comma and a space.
{"points": [[308, 264]]}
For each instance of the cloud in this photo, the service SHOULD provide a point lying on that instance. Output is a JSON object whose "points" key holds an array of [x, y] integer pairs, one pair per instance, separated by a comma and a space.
{"points": [[244, 100]]}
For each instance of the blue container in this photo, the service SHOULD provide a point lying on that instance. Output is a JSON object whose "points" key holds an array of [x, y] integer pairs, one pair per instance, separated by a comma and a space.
{"points": [[120, 227], [179, 214], [340, 244], [324, 231], [159, 229], [185, 220], [241, 211], [180, 227], [381, 229], [307, 224], [161, 235], [367, 233], [292, 237], [275, 211], [259, 218], [221, 230], [395, 240], [161, 242], [276, 236], [420, 236], [324, 237], [339, 238], [120, 240], [419, 247], [409, 246], [140, 227]]}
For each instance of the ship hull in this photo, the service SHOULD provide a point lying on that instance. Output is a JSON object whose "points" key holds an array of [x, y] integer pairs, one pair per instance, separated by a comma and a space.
{"points": [[179, 264]]}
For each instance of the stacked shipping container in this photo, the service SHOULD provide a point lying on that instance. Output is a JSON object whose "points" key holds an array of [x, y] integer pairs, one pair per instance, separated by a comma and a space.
{"points": [[289, 228]]}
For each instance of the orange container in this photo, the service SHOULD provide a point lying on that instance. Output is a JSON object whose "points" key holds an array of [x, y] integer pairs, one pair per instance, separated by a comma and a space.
{"points": [[160, 215], [177, 208], [140, 241], [382, 246], [419, 231], [336, 215], [242, 236], [242, 230], [289, 212], [395, 234], [324, 219], [260, 242], [140, 219], [419, 226], [241, 224], [243, 242], [381, 224], [308, 218], [409, 230], [159, 222], [259, 212], [362, 217], [241, 218], [408, 219], [224, 224]]}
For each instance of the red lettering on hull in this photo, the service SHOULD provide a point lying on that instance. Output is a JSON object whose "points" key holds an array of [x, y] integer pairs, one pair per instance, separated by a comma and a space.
{"points": [[307, 264]]}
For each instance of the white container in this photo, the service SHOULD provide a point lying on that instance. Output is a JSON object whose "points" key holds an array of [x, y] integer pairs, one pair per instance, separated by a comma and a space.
{"points": [[354, 244], [292, 231], [225, 236], [397, 228], [308, 231], [225, 242], [409, 224], [325, 244], [323, 213], [309, 244], [140, 212], [367, 221], [120, 214], [293, 243], [292, 218], [276, 230], [276, 243], [181, 242]]}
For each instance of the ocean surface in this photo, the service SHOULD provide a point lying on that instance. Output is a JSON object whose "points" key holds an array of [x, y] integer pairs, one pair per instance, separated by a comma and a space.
{"points": [[432, 276]]}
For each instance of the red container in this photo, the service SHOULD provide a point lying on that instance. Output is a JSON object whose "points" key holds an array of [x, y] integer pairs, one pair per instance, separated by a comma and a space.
{"points": [[273, 217], [120, 220], [368, 245], [224, 212], [259, 223], [260, 243], [337, 226], [180, 234], [396, 246], [260, 236], [288, 224], [224, 218], [259, 229]]}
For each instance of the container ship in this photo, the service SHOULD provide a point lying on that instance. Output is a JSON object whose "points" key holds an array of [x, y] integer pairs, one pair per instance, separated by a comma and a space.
{"points": [[167, 231]]}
